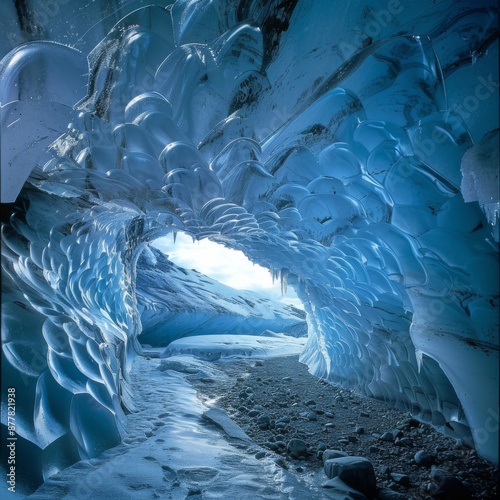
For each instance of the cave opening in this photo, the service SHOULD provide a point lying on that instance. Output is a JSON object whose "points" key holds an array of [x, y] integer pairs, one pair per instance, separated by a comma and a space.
{"points": [[191, 288]]}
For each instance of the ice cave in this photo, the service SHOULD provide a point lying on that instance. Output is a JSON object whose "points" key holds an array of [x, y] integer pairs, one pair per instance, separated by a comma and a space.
{"points": [[351, 148]]}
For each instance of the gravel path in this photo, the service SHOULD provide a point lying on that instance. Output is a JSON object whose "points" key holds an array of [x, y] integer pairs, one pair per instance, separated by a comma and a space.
{"points": [[277, 400]]}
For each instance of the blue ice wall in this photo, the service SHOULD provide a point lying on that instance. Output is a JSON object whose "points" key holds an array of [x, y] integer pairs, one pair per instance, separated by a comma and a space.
{"points": [[350, 148]]}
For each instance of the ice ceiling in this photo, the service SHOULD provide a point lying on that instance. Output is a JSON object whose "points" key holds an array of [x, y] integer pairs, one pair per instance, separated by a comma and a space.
{"points": [[351, 147]]}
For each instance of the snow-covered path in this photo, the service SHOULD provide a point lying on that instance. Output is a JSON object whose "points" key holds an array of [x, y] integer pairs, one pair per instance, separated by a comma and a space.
{"points": [[172, 451]]}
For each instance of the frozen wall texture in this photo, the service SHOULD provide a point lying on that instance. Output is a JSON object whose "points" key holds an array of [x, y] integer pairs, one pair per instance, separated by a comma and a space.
{"points": [[351, 147]]}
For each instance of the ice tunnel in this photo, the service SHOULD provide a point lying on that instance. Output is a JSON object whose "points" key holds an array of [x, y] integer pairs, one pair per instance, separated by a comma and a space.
{"points": [[350, 147]]}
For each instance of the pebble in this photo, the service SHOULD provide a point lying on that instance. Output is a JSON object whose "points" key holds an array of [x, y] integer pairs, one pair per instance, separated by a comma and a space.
{"points": [[283, 420], [404, 442], [401, 479], [312, 416], [297, 448], [387, 436], [423, 458]]}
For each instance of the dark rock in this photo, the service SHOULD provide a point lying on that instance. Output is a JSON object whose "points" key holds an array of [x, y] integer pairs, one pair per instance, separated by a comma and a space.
{"points": [[404, 442], [260, 454], [263, 420], [445, 485], [356, 472], [423, 458], [297, 448], [387, 436], [387, 494], [271, 446], [359, 430], [385, 470], [310, 402], [321, 447], [344, 490], [329, 454], [401, 479], [364, 414], [312, 416], [283, 420]]}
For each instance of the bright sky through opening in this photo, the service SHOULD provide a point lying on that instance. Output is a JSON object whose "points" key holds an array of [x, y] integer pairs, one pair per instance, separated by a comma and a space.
{"points": [[228, 266]]}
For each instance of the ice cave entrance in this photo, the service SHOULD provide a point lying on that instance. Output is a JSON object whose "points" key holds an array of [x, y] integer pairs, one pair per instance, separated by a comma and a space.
{"points": [[188, 289], [228, 266]]}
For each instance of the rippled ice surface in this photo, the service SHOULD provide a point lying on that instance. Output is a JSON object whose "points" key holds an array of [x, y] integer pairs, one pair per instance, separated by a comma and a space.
{"points": [[351, 149]]}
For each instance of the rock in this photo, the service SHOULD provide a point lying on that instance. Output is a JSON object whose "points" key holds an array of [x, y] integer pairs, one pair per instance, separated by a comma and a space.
{"points": [[364, 414], [374, 449], [404, 442], [359, 430], [352, 439], [296, 448], [310, 402], [344, 490], [271, 446], [220, 418], [321, 447], [408, 423], [263, 419], [283, 420], [312, 416], [423, 458], [387, 436], [401, 479], [328, 454], [446, 485], [259, 363], [253, 413], [260, 454], [356, 472], [385, 470], [387, 494]]}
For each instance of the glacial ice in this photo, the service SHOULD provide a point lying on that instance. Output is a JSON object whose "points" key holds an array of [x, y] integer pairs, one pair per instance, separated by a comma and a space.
{"points": [[351, 149]]}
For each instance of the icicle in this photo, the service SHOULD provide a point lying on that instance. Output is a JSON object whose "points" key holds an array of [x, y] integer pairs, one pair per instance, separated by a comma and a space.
{"points": [[284, 281]]}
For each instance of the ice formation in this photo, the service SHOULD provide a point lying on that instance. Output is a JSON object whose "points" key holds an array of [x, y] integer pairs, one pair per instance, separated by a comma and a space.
{"points": [[349, 147]]}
